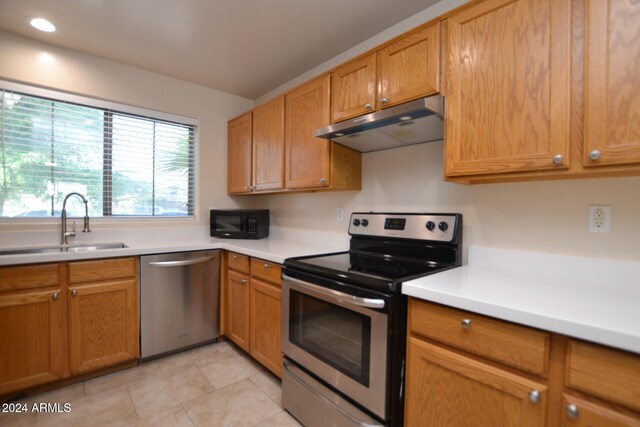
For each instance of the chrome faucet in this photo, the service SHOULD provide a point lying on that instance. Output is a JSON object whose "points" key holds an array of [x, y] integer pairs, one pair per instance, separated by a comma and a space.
{"points": [[63, 217]]}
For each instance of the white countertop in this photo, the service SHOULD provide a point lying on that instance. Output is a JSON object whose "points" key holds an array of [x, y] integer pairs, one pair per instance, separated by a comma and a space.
{"points": [[276, 248], [593, 299]]}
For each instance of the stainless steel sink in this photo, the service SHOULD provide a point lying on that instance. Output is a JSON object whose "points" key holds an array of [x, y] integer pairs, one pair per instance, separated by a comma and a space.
{"points": [[61, 248]]}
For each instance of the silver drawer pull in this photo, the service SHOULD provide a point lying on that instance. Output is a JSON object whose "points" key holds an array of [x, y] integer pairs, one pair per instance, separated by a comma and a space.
{"points": [[74, 293], [534, 396], [466, 323], [243, 281], [55, 296], [572, 411], [267, 266]]}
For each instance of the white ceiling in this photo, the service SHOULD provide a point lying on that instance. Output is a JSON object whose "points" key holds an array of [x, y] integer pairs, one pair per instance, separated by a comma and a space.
{"points": [[245, 47]]}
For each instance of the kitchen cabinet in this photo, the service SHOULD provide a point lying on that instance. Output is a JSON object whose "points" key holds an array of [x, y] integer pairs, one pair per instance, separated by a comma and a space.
{"points": [[253, 308], [507, 97], [268, 146], [239, 154], [103, 314], [449, 388], [612, 107], [62, 319], [410, 67], [237, 328], [310, 162], [405, 69], [467, 369], [32, 327]]}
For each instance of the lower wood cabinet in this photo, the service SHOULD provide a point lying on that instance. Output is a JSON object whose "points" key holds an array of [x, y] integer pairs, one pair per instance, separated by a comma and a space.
{"points": [[265, 314], [456, 379], [237, 328], [32, 339], [102, 324], [447, 389], [251, 314], [62, 319]]}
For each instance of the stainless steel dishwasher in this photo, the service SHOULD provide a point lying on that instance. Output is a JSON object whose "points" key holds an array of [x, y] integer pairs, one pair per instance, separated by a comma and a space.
{"points": [[179, 301]]}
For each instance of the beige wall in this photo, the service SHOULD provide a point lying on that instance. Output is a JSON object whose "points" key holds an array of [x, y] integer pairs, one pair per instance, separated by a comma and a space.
{"points": [[32, 62], [546, 216]]}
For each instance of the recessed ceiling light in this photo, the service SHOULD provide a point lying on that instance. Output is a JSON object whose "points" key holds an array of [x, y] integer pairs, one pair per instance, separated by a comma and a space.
{"points": [[41, 24]]}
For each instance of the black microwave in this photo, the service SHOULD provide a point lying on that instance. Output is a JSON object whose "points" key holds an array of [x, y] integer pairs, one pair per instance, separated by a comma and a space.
{"points": [[239, 223]]}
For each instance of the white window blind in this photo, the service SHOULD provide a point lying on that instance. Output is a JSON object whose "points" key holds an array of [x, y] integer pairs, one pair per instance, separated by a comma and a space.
{"points": [[125, 164]]}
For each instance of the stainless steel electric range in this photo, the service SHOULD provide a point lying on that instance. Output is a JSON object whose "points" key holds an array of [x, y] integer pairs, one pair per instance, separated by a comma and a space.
{"points": [[344, 317]]}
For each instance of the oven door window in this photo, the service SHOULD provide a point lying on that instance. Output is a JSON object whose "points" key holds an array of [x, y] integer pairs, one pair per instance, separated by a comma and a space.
{"points": [[337, 336]]}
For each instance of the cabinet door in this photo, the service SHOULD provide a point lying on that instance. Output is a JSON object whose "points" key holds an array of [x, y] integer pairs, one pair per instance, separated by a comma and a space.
{"points": [[447, 389], [581, 413], [237, 327], [612, 84], [308, 159], [268, 146], [103, 324], [265, 315], [353, 89], [32, 339], [409, 68], [239, 155], [507, 106]]}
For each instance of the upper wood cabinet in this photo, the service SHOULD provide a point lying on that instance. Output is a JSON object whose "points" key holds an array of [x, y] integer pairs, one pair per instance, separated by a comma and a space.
{"points": [[612, 83], [508, 85], [401, 71], [410, 67], [268, 146], [353, 88], [239, 154]]}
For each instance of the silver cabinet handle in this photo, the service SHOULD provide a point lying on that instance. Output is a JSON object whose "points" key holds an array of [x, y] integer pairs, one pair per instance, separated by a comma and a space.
{"points": [[558, 159], [266, 265], [594, 155], [323, 180], [243, 281], [534, 396], [384, 101], [466, 323], [351, 299], [180, 263], [55, 296], [572, 411], [74, 293], [235, 257], [368, 106]]}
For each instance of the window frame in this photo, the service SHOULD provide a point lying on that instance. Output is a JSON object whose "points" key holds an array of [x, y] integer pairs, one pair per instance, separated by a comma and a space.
{"points": [[109, 108]]}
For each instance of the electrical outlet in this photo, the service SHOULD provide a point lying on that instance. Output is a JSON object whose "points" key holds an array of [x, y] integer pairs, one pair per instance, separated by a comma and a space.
{"points": [[599, 219], [340, 214]]}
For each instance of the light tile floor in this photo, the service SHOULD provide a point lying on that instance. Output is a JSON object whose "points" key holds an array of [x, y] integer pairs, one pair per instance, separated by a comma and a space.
{"points": [[215, 385]]}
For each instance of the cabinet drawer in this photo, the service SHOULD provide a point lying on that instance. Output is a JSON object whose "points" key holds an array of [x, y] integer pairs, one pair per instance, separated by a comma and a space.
{"points": [[514, 345], [107, 269], [266, 270], [238, 262], [28, 277], [604, 372]]}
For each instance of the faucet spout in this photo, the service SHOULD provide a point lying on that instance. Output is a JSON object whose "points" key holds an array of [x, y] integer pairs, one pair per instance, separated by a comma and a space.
{"points": [[64, 235]]}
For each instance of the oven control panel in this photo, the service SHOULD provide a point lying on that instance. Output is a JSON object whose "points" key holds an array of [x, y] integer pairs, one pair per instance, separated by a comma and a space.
{"points": [[440, 227]]}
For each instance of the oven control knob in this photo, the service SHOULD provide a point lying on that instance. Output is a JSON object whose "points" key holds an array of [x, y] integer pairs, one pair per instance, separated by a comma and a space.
{"points": [[365, 222], [430, 225], [443, 226], [356, 222]]}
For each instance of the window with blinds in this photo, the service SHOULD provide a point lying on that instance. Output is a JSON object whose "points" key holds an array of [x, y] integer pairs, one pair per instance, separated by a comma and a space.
{"points": [[126, 164]]}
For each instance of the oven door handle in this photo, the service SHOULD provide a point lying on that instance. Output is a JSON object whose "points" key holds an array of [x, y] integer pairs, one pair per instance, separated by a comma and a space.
{"points": [[352, 299]]}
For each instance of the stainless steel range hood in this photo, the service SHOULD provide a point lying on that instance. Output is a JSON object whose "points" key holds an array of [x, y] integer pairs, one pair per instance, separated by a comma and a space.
{"points": [[415, 122]]}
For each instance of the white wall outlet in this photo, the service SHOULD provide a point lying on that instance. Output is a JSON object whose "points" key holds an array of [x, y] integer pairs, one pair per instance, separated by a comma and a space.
{"points": [[340, 214], [599, 219]]}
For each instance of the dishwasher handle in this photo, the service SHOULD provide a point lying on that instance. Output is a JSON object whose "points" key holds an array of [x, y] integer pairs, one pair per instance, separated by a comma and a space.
{"points": [[181, 263]]}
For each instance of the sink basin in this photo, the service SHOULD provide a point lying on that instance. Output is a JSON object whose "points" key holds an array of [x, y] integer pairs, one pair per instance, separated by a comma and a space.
{"points": [[60, 248]]}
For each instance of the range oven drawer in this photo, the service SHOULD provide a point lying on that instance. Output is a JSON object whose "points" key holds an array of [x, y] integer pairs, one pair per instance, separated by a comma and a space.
{"points": [[315, 405]]}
